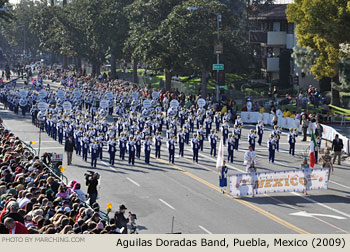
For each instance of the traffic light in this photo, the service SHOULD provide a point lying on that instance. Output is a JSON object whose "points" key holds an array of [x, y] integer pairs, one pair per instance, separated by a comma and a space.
{"points": [[221, 80]]}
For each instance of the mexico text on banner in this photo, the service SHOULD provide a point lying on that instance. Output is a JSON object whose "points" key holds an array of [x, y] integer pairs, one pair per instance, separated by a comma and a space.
{"points": [[245, 184]]}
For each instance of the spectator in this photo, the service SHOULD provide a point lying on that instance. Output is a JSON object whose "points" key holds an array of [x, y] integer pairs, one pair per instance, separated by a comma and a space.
{"points": [[304, 126], [274, 119], [69, 146], [13, 212], [304, 165], [91, 183], [33, 201], [286, 113], [15, 227], [326, 160], [337, 147], [25, 200], [121, 221], [318, 130]]}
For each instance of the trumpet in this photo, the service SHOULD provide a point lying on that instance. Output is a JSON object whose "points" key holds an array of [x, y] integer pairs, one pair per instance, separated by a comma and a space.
{"points": [[318, 137], [276, 136], [295, 130]]}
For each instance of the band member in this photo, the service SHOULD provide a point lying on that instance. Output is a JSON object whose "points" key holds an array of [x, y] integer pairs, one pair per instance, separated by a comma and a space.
{"points": [[131, 150], [94, 153], [251, 139], [181, 137], [260, 131], [223, 176], [147, 149], [213, 138], [291, 140], [112, 148], [230, 147], [224, 129], [250, 160], [195, 147], [171, 149], [271, 144], [158, 143]]}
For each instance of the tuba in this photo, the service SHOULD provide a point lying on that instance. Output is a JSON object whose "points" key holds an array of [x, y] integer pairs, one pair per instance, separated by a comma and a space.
{"points": [[22, 102], [41, 116]]}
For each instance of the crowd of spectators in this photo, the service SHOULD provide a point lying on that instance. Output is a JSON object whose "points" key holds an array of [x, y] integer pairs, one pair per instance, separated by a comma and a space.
{"points": [[34, 201]]}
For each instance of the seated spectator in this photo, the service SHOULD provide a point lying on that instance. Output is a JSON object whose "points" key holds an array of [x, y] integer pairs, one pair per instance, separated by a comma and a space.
{"points": [[15, 227], [286, 113], [33, 201], [293, 114]]}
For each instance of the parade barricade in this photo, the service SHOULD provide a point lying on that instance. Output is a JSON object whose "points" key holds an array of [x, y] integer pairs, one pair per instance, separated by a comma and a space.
{"points": [[287, 123], [245, 184]]}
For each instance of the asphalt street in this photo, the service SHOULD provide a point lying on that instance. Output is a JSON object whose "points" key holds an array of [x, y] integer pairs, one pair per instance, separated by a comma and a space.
{"points": [[189, 192]]}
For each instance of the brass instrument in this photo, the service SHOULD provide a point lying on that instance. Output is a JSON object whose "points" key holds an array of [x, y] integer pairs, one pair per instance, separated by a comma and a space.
{"points": [[295, 130], [276, 136], [254, 131]]}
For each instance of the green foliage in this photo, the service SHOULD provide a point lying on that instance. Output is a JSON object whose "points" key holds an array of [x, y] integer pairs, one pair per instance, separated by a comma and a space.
{"points": [[17, 31], [5, 16], [304, 58], [322, 25]]}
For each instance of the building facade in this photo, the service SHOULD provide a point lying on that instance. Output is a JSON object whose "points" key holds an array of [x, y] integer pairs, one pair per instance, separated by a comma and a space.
{"points": [[276, 39]]}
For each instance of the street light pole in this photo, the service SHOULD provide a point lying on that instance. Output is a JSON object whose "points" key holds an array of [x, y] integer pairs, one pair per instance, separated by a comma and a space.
{"points": [[218, 59]]}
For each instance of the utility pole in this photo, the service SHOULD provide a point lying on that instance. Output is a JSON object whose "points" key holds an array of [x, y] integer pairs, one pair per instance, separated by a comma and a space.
{"points": [[65, 59]]}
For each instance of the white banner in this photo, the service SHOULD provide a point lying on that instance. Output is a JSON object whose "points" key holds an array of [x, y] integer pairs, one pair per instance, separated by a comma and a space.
{"points": [[245, 184]]}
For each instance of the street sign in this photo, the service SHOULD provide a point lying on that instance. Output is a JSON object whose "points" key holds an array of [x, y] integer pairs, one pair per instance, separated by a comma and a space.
{"points": [[218, 66], [219, 48], [225, 86]]}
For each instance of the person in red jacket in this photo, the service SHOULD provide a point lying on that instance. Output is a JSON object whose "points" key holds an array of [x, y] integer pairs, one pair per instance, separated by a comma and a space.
{"points": [[15, 227]]}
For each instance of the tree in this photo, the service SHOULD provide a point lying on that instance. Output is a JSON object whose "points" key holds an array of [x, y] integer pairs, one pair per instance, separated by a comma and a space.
{"points": [[118, 27], [145, 16], [191, 35], [322, 25], [17, 31], [5, 15], [304, 58]]}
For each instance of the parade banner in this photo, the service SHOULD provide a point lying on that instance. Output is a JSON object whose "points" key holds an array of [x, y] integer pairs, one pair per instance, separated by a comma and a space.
{"points": [[245, 184]]}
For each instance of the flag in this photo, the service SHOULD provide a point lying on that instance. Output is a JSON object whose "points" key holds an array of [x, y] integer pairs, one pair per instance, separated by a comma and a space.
{"points": [[312, 150], [220, 159]]}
